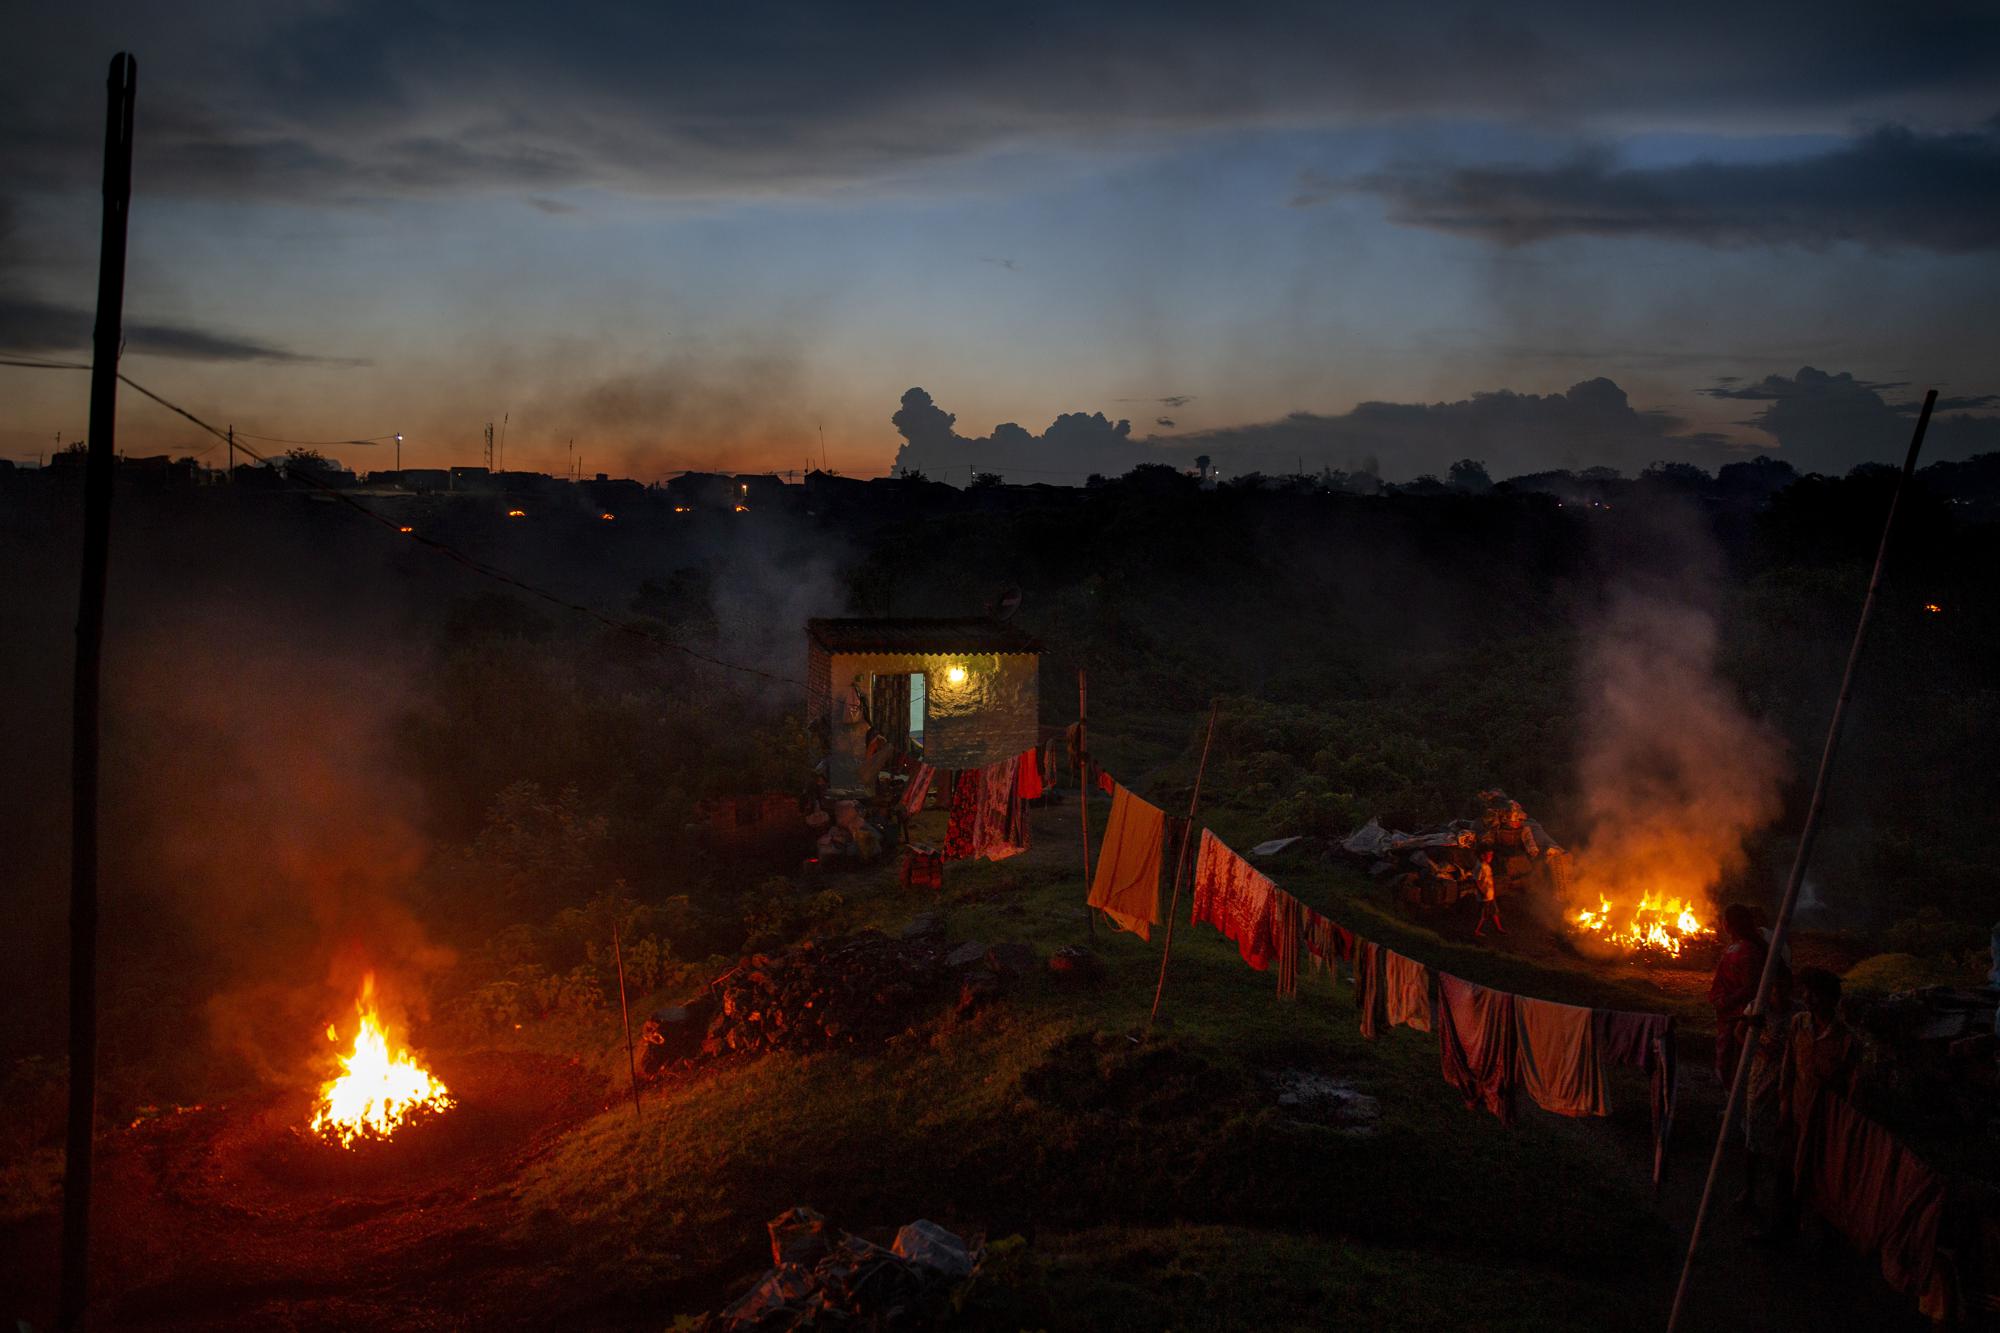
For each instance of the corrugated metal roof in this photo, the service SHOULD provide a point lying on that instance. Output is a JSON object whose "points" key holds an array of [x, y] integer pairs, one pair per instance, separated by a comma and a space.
{"points": [[964, 634]]}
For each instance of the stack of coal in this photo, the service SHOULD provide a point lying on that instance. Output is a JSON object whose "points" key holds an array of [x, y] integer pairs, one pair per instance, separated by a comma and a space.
{"points": [[856, 990]]}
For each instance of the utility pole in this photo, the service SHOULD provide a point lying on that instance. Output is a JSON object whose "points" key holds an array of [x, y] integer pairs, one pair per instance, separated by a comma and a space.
{"points": [[399, 456], [232, 453], [489, 446], [121, 92]]}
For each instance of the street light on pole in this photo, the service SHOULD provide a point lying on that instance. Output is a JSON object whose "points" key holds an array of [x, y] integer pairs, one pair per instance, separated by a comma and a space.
{"points": [[399, 455]]}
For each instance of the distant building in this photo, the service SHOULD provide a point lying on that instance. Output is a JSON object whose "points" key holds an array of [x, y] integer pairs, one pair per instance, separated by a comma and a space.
{"points": [[611, 494]]}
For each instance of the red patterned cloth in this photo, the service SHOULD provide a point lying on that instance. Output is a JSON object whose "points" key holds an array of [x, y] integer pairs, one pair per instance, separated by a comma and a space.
{"points": [[1406, 991], [1476, 1044], [920, 785], [1002, 828], [1232, 896], [962, 825]]}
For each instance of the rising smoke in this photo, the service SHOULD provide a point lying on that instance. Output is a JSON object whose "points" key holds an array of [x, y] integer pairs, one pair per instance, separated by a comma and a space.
{"points": [[1674, 775]]}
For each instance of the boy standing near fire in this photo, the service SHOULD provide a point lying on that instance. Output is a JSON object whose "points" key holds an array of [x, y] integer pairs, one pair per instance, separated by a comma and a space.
{"points": [[1489, 902]]}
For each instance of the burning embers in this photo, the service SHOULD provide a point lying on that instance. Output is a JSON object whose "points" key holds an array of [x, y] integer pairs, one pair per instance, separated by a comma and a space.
{"points": [[1655, 924], [380, 1088]]}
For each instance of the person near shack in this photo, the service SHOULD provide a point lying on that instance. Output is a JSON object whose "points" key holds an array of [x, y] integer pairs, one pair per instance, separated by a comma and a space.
{"points": [[1489, 899], [1735, 986], [1763, 1135]]}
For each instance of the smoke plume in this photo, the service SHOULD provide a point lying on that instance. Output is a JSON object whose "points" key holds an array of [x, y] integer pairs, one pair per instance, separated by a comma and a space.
{"points": [[1674, 774]]}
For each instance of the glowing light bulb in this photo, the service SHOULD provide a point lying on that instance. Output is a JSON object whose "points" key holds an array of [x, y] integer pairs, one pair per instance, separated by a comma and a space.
{"points": [[955, 675]]}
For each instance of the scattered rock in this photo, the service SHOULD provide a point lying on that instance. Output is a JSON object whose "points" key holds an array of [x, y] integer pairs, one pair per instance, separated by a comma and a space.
{"points": [[853, 1283], [966, 955], [1324, 1099], [923, 926], [1011, 958], [978, 986], [926, 1243], [798, 1237], [1075, 964]]}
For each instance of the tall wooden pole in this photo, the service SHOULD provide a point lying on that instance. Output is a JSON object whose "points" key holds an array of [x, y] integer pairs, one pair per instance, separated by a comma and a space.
{"points": [[625, 1014], [1799, 861], [1180, 862], [121, 89], [1083, 786]]}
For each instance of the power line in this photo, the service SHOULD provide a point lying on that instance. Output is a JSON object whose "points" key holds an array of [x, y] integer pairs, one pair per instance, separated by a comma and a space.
{"points": [[273, 439], [444, 549]]}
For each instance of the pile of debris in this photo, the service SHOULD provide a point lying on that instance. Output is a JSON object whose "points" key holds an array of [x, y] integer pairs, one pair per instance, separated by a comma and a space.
{"points": [[859, 989], [816, 1282], [1434, 867]]}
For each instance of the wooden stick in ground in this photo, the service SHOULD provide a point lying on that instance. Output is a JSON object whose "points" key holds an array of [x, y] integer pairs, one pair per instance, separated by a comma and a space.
{"points": [[1180, 861], [631, 1063], [1799, 861], [100, 464], [1083, 787]]}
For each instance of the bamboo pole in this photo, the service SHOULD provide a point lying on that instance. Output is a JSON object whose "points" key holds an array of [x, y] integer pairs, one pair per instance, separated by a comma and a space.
{"points": [[1799, 862], [100, 464], [1083, 786], [625, 1014], [1180, 861]]}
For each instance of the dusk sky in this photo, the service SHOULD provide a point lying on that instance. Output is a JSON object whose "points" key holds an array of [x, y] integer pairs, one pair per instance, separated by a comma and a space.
{"points": [[688, 235]]}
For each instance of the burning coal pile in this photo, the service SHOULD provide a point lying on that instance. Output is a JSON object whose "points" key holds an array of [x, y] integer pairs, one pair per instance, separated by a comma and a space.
{"points": [[860, 989], [1674, 778], [381, 1086]]}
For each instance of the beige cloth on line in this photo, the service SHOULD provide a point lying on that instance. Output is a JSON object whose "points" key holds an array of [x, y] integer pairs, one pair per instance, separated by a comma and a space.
{"points": [[1126, 887]]}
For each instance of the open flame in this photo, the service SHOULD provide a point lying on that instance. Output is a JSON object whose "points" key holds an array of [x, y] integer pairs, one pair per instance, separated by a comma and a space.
{"points": [[379, 1090], [1656, 924]]}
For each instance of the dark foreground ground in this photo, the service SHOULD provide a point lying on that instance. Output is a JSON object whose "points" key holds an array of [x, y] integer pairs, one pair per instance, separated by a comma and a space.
{"points": [[1155, 1183]]}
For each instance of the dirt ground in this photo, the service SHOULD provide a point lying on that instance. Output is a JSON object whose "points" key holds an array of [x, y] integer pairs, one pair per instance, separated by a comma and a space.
{"points": [[224, 1218]]}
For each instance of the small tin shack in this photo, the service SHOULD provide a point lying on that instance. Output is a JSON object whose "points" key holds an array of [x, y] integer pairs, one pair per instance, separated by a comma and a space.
{"points": [[956, 693]]}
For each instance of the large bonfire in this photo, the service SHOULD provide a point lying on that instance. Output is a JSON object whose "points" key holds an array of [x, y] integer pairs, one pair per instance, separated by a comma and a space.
{"points": [[380, 1088], [1653, 924]]}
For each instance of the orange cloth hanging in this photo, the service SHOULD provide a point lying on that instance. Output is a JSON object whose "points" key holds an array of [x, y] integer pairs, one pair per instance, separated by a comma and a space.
{"points": [[1126, 887]]}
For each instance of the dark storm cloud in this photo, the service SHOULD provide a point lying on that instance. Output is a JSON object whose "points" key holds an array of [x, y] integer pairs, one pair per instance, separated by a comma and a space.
{"points": [[38, 326], [1075, 445], [1829, 423], [354, 98], [1891, 188], [1591, 423], [29, 324]]}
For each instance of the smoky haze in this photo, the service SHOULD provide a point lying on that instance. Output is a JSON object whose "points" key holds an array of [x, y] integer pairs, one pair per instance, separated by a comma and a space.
{"points": [[1674, 776], [272, 827]]}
